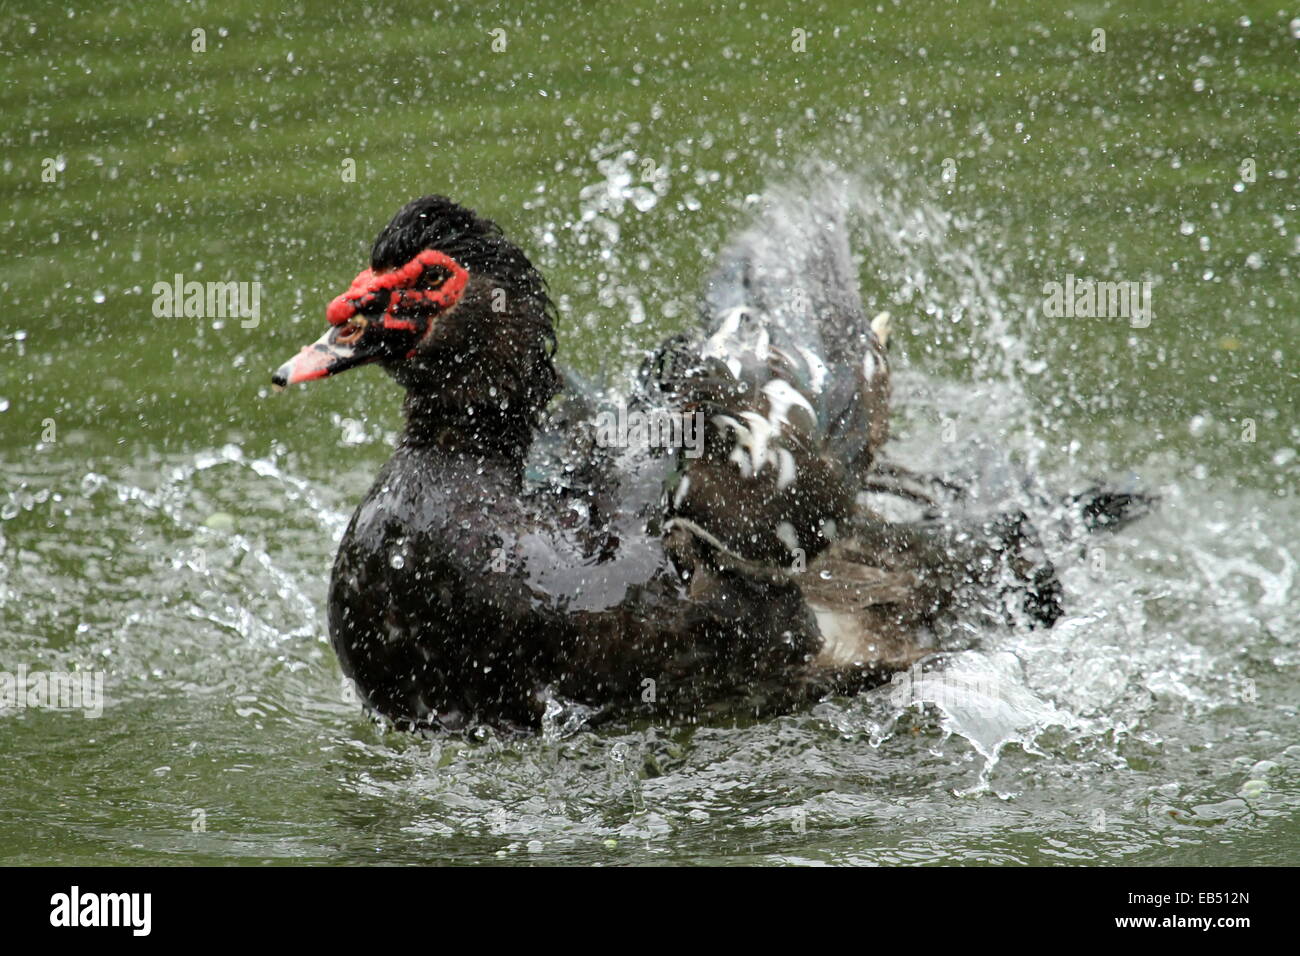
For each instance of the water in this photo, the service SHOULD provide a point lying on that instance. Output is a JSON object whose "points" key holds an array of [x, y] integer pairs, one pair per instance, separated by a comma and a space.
{"points": [[167, 522]]}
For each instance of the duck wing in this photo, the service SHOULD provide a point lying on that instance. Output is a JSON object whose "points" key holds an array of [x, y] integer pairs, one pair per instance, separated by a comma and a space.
{"points": [[787, 380]]}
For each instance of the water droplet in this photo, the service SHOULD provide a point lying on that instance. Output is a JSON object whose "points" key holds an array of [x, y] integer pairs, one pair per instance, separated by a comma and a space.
{"points": [[1253, 788], [643, 199], [397, 561], [99, 296], [354, 433], [220, 521]]}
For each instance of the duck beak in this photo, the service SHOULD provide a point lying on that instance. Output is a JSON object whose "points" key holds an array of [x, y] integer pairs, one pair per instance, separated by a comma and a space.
{"points": [[325, 356]]}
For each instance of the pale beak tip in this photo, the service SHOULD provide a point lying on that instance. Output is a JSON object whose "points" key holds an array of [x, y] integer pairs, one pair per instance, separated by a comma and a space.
{"points": [[280, 380]]}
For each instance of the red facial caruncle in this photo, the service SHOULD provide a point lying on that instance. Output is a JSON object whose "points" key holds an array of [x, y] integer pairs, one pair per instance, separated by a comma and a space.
{"points": [[376, 303], [370, 287]]}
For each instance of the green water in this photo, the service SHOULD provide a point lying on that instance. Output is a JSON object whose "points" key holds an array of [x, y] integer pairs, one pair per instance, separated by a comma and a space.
{"points": [[167, 522]]}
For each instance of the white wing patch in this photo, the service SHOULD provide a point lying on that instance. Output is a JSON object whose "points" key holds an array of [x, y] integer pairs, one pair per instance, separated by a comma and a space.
{"points": [[786, 534], [683, 488], [841, 637], [869, 366], [817, 370], [742, 462], [716, 344], [880, 326], [781, 397], [786, 470], [756, 435], [753, 451]]}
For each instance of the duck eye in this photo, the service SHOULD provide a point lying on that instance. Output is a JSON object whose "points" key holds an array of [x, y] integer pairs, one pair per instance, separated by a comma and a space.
{"points": [[351, 331], [434, 278]]}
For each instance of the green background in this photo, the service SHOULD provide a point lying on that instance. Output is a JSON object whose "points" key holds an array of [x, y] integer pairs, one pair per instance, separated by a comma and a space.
{"points": [[178, 530]]}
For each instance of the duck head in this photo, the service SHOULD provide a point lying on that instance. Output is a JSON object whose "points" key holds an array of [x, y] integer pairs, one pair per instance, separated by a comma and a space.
{"points": [[449, 307]]}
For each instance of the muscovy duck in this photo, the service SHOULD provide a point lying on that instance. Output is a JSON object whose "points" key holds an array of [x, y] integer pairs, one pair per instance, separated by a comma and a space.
{"points": [[510, 560]]}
